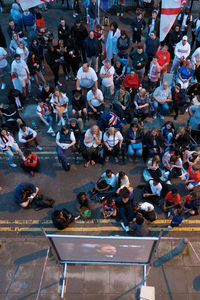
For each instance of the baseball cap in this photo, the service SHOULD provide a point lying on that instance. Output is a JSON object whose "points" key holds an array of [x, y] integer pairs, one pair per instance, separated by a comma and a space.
{"points": [[185, 38]]}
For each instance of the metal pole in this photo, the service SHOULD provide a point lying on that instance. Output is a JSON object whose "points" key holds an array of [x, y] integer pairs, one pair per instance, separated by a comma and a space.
{"points": [[99, 11], [63, 281], [144, 275]]}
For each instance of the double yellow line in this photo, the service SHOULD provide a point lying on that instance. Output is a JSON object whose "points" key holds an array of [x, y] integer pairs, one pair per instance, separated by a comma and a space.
{"points": [[92, 226]]}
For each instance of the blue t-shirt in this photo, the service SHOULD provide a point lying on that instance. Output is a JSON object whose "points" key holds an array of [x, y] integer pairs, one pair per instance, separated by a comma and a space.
{"points": [[185, 74], [19, 190], [176, 220]]}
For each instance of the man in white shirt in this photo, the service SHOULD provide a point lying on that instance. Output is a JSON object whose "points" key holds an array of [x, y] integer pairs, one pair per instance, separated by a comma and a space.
{"points": [[20, 74], [161, 95], [3, 66], [181, 52], [95, 102], [27, 135], [86, 77], [106, 73], [147, 210]]}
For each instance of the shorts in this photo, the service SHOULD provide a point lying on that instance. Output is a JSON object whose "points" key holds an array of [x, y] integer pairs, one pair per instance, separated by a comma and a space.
{"points": [[4, 70], [24, 81], [136, 37], [108, 90], [98, 108], [78, 109]]}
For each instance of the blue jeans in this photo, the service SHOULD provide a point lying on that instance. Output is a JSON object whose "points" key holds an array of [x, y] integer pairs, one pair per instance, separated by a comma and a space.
{"points": [[119, 111], [164, 107], [49, 119], [30, 31], [132, 151], [63, 156], [93, 22], [10, 154]]}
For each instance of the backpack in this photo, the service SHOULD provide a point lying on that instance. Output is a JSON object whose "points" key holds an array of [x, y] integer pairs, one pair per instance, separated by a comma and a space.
{"points": [[61, 223]]}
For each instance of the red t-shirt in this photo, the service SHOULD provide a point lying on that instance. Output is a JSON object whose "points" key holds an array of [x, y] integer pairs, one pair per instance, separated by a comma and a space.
{"points": [[33, 160], [175, 200], [40, 23], [187, 199], [194, 176], [130, 82], [109, 207], [163, 59]]}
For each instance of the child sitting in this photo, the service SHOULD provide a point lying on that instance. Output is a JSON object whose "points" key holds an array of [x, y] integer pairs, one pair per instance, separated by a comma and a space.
{"points": [[193, 178], [177, 218], [83, 205], [31, 163], [172, 200], [109, 208]]}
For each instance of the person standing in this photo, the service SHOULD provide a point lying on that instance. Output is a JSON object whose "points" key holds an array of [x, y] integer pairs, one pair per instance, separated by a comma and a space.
{"points": [[16, 15], [123, 43], [93, 13], [163, 59], [29, 22], [139, 61], [4, 68], [174, 38], [20, 74], [79, 33], [154, 23], [111, 43], [93, 50], [151, 46], [106, 74], [138, 24], [184, 20], [63, 30], [2, 39]]}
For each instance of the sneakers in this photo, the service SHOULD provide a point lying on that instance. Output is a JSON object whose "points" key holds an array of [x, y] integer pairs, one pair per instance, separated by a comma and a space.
{"points": [[3, 86], [154, 117], [126, 228], [13, 165], [62, 121], [66, 77], [116, 159], [107, 159], [51, 132], [59, 123], [59, 83], [39, 148], [168, 182], [169, 227], [168, 214], [162, 117]]}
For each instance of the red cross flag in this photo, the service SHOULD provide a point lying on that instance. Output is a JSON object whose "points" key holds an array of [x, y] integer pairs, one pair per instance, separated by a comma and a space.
{"points": [[169, 11]]}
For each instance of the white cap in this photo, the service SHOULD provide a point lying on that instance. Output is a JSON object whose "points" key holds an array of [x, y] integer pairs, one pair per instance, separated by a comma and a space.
{"points": [[185, 38]]}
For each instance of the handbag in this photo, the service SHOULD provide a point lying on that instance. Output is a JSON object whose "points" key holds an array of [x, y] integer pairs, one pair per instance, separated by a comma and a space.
{"points": [[137, 146]]}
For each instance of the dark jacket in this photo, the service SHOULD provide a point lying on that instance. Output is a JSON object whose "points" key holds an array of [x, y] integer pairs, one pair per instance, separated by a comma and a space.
{"points": [[129, 136], [45, 95], [182, 141], [63, 33], [141, 24], [2, 39], [33, 69], [181, 95], [148, 140], [37, 50], [92, 47], [78, 104], [156, 27], [138, 58], [12, 98], [152, 46], [180, 19], [79, 34], [123, 44], [51, 57], [93, 10], [11, 31], [174, 38]]}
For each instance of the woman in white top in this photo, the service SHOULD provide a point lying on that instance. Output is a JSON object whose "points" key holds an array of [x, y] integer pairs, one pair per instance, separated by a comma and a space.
{"points": [[113, 140], [22, 51], [122, 182], [93, 138], [59, 102], [153, 191], [8, 145]]}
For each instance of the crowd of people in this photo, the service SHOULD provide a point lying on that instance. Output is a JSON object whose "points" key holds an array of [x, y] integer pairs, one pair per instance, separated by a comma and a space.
{"points": [[119, 81]]}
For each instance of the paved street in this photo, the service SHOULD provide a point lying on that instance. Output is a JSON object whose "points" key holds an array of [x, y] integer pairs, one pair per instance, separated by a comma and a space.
{"points": [[23, 247]]}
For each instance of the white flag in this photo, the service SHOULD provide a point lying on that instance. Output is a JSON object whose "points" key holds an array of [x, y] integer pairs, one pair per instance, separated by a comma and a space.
{"points": [[169, 11], [26, 4]]}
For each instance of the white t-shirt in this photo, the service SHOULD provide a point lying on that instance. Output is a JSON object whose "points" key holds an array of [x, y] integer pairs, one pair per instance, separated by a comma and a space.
{"points": [[111, 181], [20, 68], [107, 81], [146, 205], [124, 182], [3, 62], [90, 136], [93, 100], [156, 189], [23, 55], [87, 79], [113, 139]]}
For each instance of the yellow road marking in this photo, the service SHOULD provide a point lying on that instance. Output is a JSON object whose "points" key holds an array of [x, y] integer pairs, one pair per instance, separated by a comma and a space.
{"points": [[92, 229], [97, 221]]}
